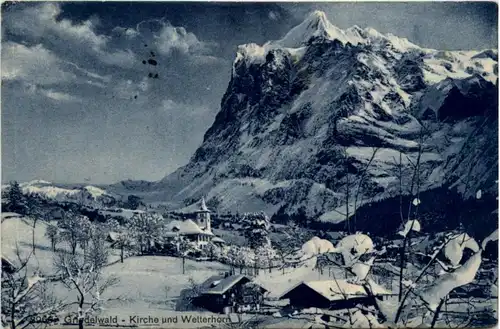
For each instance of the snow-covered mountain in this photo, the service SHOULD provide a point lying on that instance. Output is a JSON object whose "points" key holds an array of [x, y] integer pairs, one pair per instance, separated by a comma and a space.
{"points": [[324, 108], [86, 195]]}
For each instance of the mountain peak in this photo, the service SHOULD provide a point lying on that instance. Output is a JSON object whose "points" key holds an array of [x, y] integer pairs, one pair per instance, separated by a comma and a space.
{"points": [[316, 24], [317, 17]]}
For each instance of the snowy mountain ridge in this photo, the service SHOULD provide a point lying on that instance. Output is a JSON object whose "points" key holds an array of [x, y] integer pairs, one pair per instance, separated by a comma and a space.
{"points": [[304, 116], [86, 195], [317, 26]]}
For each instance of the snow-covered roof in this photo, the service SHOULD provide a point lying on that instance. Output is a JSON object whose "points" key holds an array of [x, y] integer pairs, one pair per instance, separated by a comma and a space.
{"points": [[185, 227], [339, 289], [220, 286], [6, 215], [217, 239]]}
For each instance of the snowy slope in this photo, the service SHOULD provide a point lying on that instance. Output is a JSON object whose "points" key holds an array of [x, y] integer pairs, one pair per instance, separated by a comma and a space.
{"points": [[141, 279], [17, 234], [301, 112]]}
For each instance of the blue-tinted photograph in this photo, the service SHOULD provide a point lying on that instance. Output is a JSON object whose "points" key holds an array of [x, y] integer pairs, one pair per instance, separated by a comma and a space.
{"points": [[249, 165]]}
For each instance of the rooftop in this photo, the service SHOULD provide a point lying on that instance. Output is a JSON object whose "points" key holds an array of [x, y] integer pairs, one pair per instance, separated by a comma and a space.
{"points": [[339, 289], [185, 227], [220, 284]]}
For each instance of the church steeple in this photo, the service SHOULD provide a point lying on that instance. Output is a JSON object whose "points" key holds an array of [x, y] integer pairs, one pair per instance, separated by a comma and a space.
{"points": [[203, 216], [203, 205]]}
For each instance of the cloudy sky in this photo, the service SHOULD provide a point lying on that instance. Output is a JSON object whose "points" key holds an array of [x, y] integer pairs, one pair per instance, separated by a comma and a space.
{"points": [[80, 105]]}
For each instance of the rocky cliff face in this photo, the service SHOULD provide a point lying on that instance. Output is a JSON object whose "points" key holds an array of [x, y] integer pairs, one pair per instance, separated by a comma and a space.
{"points": [[325, 118]]}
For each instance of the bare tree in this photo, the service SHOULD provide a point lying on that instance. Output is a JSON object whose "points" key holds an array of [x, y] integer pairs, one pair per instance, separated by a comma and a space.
{"points": [[83, 274], [347, 189], [27, 300], [74, 230], [187, 297], [52, 233], [414, 193], [356, 184], [120, 236], [287, 247], [213, 251], [145, 229], [34, 211], [360, 182], [184, 248], [264, 256]]}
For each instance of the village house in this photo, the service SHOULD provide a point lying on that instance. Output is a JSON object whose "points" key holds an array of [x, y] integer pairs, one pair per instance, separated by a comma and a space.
{"points": [[229, 294], [198, 229], [333, 295]]}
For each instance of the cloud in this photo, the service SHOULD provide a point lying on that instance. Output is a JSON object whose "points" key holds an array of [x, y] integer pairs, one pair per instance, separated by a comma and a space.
{"points": [[119, 47], [173, 38], [41, 21], [120, 58], [127, 32], [88, 73], [169, 39], [65, 72], [60, 96], [38, 23], [35, 65], [30, 89]]}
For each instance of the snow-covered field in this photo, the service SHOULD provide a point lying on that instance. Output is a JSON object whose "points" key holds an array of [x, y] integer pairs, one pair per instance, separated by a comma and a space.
{"points": [[17, 234], [148, 286], [142, 279]]}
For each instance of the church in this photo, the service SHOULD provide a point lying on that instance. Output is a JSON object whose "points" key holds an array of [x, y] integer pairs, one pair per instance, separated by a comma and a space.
{"points": [[198, 229]]}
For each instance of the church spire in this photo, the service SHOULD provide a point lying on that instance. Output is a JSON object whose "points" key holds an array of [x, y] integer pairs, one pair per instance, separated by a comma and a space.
{"points": [[203, 204]]}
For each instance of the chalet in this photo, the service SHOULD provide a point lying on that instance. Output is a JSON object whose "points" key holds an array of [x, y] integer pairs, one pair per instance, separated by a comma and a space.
{"points": [[198, 229], [333, 294], [229, 294]]}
